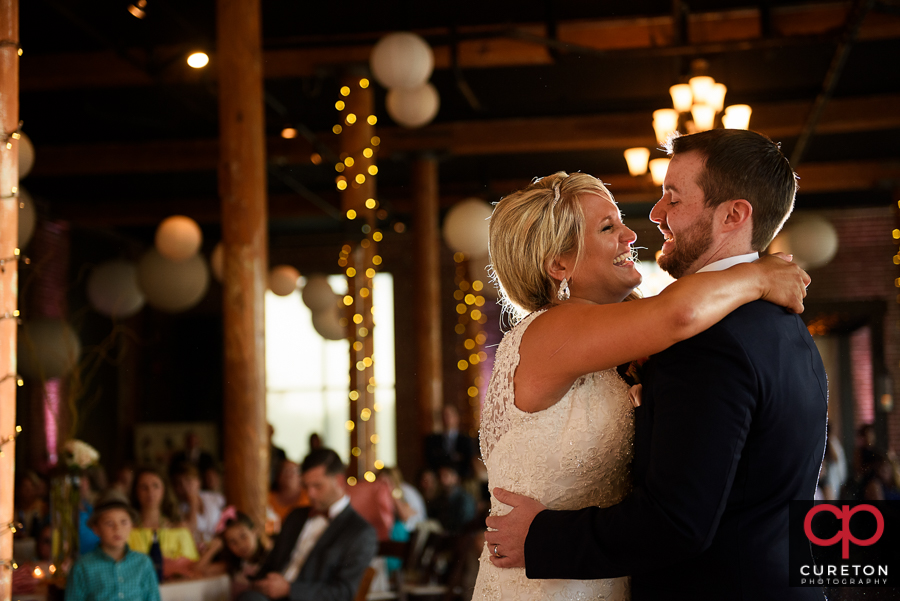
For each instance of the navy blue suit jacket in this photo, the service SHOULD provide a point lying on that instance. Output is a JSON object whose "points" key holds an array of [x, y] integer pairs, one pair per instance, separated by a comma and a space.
{"points": [[731, 429]]}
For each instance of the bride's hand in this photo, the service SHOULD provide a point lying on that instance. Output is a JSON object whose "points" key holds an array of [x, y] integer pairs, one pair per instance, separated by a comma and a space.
{"points": [[784, 283]]}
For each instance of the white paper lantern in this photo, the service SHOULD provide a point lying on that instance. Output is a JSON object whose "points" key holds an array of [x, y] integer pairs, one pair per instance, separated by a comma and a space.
{"points": [[813, 241], [172, 286], [402, 60], [283, 280], [26, 156], [178, 238], [27, 217], [113, 289], [48, 348], [317, 293], [328, 323], [217, 262], [466, 227], [413, 107]]}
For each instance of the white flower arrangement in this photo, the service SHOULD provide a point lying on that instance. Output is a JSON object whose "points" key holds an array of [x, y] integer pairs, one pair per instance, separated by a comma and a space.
{"points": [[81, 454]]}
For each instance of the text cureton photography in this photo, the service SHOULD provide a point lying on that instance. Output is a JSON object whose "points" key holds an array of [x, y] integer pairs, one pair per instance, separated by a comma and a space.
{"points": [[844, 543]]}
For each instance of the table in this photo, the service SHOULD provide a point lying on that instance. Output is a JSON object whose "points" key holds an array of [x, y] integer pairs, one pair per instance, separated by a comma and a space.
{"points": [[216, 588]]}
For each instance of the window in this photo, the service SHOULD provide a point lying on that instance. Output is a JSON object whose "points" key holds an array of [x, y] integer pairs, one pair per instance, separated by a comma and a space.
{"points": [[307, 376]]}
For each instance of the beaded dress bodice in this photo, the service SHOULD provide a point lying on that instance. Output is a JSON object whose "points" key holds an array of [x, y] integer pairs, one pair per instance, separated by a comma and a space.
{"points": [[574, 454]]}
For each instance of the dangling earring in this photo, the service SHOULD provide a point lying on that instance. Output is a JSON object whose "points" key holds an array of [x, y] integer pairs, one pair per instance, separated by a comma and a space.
{"points": [[563, 292]]}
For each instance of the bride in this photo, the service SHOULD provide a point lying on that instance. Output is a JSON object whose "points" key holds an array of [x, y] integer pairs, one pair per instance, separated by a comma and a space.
{"points": [[557, 425]]}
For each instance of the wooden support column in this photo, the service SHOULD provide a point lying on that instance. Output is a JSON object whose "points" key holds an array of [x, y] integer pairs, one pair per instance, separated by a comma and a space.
{"points": [[9, 224], [358, 205], [242, 187], [429, 377]]}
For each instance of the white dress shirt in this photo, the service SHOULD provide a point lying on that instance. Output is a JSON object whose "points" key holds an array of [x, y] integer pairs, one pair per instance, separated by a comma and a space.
{"points": [[723, 264], [312, 531]]}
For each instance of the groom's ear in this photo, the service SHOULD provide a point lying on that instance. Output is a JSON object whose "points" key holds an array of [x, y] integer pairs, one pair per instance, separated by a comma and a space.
{"points": [[737, 214]]}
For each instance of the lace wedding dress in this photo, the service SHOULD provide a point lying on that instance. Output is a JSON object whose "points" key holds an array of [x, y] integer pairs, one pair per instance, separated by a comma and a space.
{"points": [[574, 454]]}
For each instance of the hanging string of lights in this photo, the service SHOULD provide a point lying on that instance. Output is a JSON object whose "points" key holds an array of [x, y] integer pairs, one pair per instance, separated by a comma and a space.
{"points": [[356, 171], [471, 335]]}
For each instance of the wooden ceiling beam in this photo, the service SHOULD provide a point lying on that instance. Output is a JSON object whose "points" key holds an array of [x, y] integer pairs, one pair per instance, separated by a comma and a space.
{"points": [[779, 121], [846, 176], [480, 46]]}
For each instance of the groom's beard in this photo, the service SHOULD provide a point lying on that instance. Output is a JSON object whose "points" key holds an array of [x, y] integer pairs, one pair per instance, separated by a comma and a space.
{"points": [[689, 246]]}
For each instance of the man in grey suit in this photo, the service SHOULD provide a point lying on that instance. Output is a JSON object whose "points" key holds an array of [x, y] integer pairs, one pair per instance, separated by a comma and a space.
{"points": [[322, 550]]}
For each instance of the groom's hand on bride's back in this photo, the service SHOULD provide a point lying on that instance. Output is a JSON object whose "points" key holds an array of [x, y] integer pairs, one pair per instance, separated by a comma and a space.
{"points": [[506, 534]]}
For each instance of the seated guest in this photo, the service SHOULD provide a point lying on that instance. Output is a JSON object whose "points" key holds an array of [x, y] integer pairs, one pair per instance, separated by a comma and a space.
{"points": [[124, 480], [192, 453], [454, 508], [290, 494], [451, 447], [373, 501], [112, 570], [245, 549], [158, 513], [322, 551], [212, 479], [92, 481], [409, 506], [31, 507], [201, 508]]}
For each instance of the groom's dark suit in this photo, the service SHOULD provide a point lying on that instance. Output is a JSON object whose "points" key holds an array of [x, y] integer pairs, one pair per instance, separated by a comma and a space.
{"points": [[732, 427]]}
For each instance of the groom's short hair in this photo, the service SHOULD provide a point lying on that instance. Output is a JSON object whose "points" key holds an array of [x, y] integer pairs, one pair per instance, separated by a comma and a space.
{"points": [[744, 164]]}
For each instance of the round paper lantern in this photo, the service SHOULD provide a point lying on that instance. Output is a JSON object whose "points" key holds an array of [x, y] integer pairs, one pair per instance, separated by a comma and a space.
{"points": [[813, 242], [413, 107], [26, 156], [328, 322], [283, 280], [178, 238], [217, 262], [113, 289], [402, 60], [48, 348], [27, 217], [317, 293], [466, 227], [172, 286]]}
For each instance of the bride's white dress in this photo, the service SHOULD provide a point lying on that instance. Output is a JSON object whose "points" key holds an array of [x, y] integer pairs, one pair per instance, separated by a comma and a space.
{"points": [[574, 454]]}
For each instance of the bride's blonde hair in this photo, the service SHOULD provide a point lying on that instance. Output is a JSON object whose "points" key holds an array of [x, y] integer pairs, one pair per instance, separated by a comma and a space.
{"points": [[531, 227]]}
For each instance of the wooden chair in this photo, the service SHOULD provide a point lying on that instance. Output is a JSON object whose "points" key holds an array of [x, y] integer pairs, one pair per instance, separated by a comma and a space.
{"points": [[364, 584]]}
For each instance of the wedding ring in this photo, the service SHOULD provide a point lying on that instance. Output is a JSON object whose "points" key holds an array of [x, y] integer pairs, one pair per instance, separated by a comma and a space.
{"points": [[496, 554]]}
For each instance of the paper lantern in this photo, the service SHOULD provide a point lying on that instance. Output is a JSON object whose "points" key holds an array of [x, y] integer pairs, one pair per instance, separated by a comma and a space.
{"points": [[172, 286], [113, 289], [466, 227], [283, 280], [328, 322], [48, 348], [402, 60], [26, 155], [27, 217], [317, 293], [813, 241], [217, 262], [178, 238], [414, 107]]}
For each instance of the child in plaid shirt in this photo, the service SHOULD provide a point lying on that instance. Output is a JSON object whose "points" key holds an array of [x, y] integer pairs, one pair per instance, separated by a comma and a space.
{"points": [[112, 571]]}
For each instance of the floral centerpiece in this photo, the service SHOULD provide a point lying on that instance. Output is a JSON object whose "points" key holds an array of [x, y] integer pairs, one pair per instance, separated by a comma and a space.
{"points": [[65, 502]]}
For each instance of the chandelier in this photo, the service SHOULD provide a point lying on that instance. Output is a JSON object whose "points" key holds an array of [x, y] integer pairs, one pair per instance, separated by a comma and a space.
{"points": [[695, 108]]}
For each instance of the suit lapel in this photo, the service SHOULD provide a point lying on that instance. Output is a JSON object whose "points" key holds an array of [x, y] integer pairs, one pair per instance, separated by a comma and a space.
{"points": [[326, 540]]}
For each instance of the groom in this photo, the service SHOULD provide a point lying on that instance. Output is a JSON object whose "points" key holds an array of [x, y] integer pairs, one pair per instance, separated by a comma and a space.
{"points": [[732, 423]]}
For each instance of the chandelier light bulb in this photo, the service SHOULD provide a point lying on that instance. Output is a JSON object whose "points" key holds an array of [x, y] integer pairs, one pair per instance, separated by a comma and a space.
{"points": [[701, 88], [658, 168], [665, 121], [717, 96], [737, 116], [637, 160], [682, 97], [704, 116]]}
